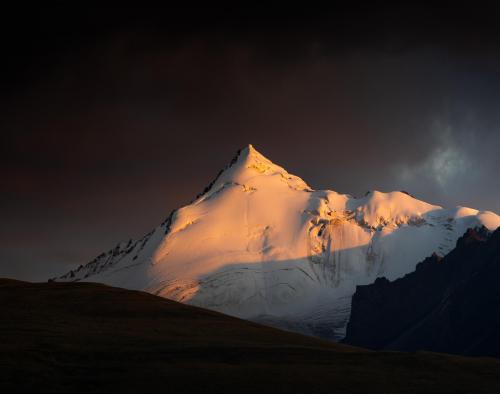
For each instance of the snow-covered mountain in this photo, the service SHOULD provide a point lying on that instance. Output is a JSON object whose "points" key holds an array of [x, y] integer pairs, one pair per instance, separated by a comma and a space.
{"points": [[260, 244]]}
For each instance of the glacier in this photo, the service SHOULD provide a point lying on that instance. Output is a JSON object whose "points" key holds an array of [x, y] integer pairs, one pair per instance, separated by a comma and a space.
{"points": [[261, 244]]}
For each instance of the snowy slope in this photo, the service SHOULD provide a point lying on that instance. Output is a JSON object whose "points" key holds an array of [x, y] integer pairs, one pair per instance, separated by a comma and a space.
{"points": [[260, 244]]}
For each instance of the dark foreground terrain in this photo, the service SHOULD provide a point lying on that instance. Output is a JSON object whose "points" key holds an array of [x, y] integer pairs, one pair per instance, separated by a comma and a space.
{"points": [[85, 338]]}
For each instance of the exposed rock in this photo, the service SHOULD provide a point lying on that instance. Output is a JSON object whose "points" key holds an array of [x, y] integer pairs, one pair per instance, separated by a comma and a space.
{"points": [[449, 304]]}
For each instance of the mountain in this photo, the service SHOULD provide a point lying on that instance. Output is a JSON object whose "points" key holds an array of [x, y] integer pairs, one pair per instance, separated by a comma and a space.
{"points": [[449, 304], [260, 244], [92, 338]]}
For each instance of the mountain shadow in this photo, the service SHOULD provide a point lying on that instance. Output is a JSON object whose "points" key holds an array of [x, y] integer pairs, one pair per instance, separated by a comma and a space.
{"points": [[449, 304]]}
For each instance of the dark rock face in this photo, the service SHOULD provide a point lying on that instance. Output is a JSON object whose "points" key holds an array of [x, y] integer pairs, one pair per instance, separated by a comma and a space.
{"points": [[449, 304]]}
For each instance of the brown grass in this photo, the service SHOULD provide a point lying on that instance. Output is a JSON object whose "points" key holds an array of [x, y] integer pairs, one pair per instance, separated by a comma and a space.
{"points": [[86, 338]]}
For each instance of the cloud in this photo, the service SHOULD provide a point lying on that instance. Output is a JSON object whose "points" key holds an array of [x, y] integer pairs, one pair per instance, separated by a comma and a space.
{"points": [[444, 165], [459, 167]]}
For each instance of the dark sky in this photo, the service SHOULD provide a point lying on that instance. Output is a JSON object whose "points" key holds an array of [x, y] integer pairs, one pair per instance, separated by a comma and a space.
{"points": [[111, 118]]}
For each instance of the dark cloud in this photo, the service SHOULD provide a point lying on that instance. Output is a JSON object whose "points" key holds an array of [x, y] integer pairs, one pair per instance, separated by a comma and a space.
{"points": [[110, 119]]}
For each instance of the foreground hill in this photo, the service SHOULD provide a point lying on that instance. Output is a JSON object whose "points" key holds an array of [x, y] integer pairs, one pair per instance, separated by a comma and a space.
{"points": [[449, 304], [261, 244], [85, 338]]}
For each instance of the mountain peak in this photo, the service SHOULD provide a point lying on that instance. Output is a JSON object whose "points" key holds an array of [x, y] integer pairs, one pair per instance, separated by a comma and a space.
{"points": [[259, 243], [250, 154], [250, 148], [247, 166]]}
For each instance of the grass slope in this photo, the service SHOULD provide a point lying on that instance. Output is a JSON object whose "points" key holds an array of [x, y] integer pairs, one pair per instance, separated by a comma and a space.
{"points": [[86, 338]]}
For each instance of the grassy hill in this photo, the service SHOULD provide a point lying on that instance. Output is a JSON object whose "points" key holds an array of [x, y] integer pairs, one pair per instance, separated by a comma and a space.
{"points": [[86, 338]]}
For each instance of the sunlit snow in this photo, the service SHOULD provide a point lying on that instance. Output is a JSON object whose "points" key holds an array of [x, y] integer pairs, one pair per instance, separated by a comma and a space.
{"points": [[262, 245]]}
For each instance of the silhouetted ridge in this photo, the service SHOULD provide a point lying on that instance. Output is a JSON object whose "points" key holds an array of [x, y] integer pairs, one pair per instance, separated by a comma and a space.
{"points": [[448, 304]]}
